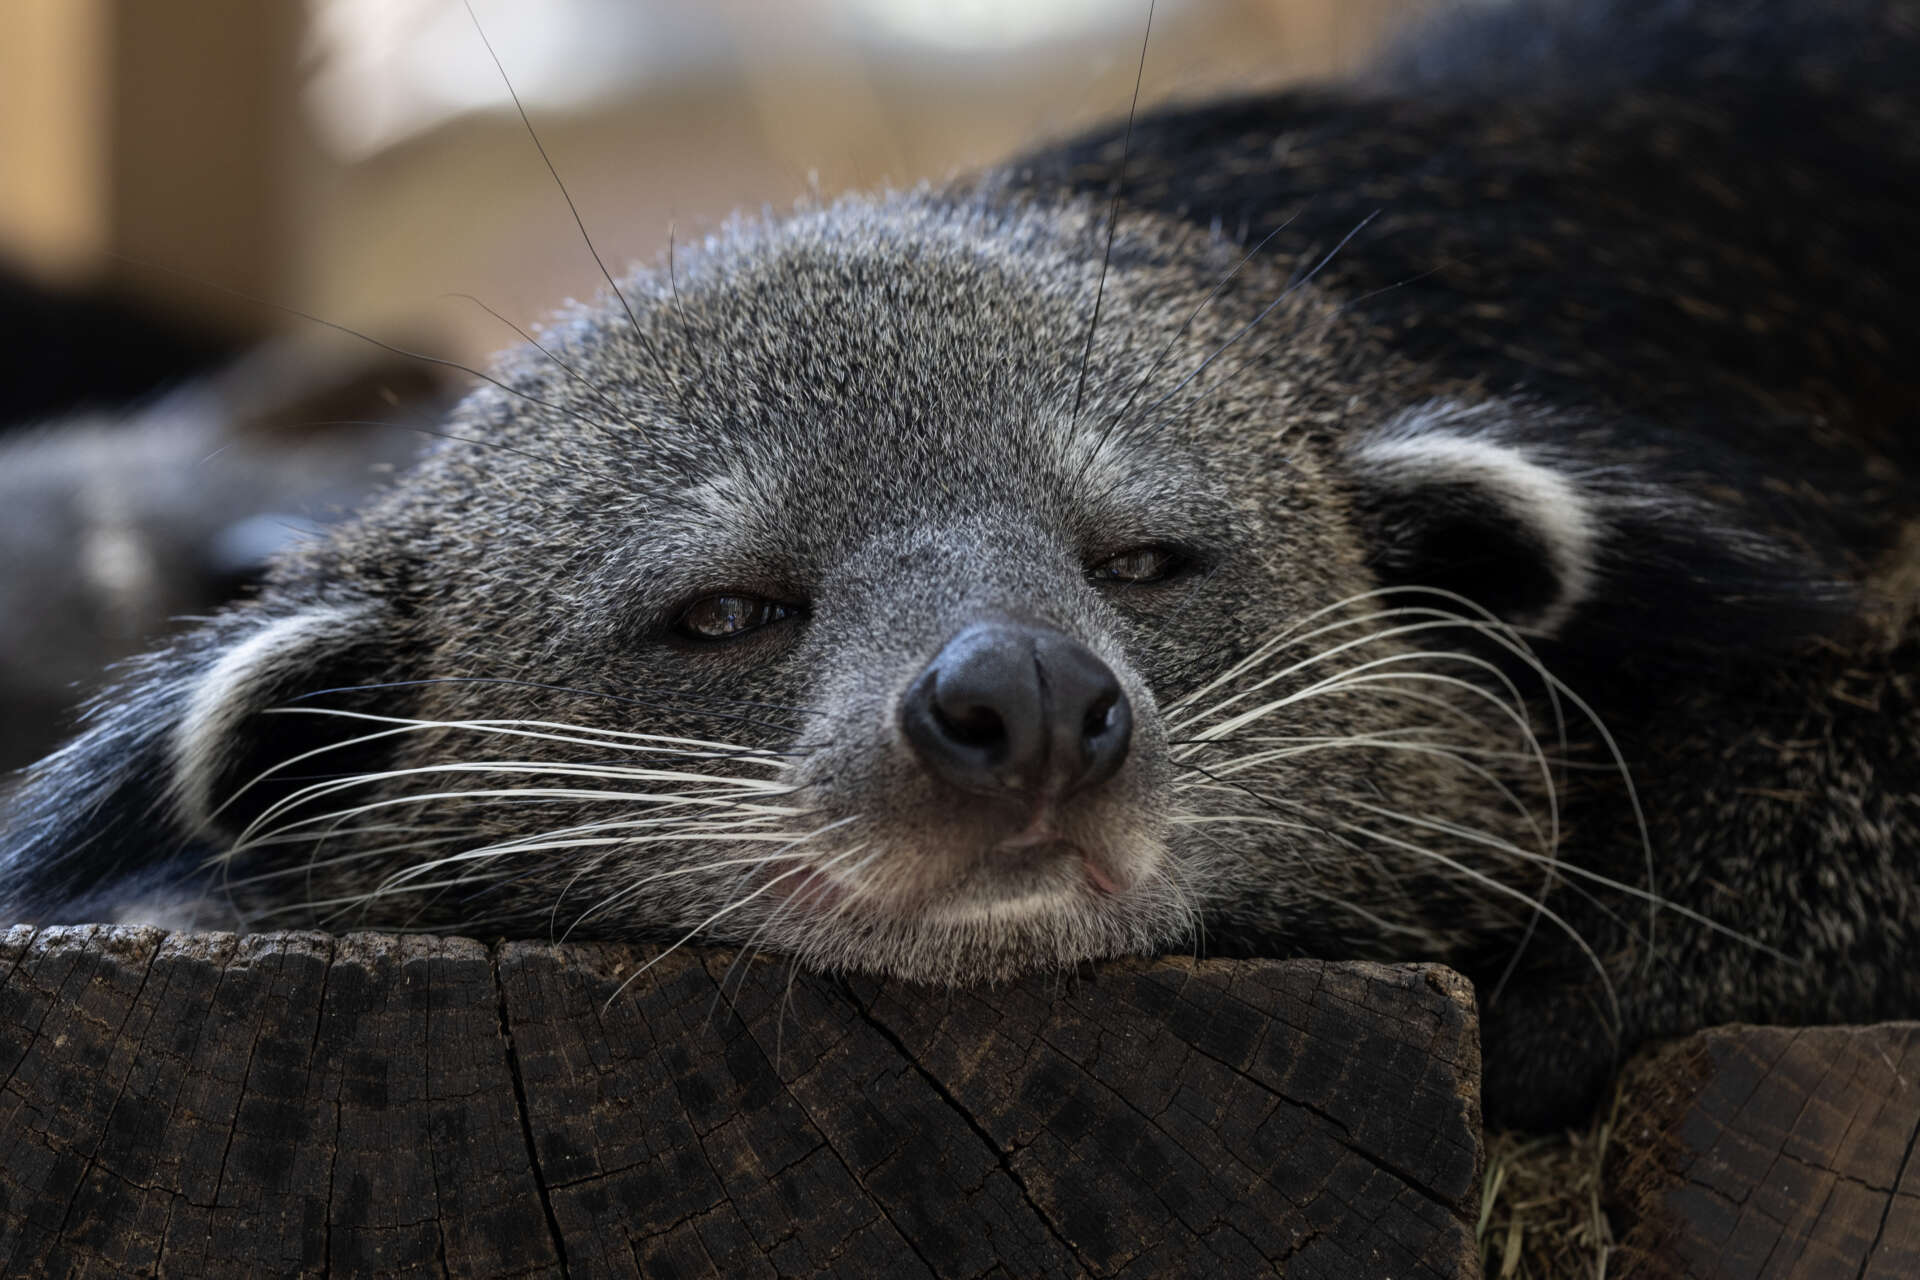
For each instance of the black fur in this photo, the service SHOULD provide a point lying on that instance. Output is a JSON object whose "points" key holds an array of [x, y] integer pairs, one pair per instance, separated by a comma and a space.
{"points": [[1690, 222]]}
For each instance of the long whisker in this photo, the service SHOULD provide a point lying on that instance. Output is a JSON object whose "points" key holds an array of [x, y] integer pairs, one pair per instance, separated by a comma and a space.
{"points": [[659, 799], [593, 388], [729, 823], [788, 840], [741, 902], [420, 428], [582, 735], [406, 354], [1334, 651], [1362, 675], [695, 828], [1571, 869], [474, 865], [1113, 222], [1558, 689], [639, 334], [1166, 349], [1378, 737], [619, 698], [681, 748], [1474, 875], [747, 949], [1228, 768], [1500, 634], [1381, 924]]}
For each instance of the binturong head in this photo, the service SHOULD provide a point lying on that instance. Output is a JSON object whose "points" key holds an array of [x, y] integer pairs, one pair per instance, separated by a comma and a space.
{"points": [[919, 585]]}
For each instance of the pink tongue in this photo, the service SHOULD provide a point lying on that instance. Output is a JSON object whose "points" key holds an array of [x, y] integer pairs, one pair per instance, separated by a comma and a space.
{"points": [[1098, 874]]}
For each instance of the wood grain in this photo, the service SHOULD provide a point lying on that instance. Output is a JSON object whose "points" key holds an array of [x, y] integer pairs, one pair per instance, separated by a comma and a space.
{"points": [[1771, 1151], [299, 1104]]}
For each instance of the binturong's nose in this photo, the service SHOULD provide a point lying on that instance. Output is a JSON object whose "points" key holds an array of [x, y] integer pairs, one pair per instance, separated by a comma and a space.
{"points": [[1017, 708]]}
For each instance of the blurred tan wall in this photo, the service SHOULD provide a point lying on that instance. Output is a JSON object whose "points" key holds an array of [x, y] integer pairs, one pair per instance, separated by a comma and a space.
{"points": [[165, 134], [162, 145]]}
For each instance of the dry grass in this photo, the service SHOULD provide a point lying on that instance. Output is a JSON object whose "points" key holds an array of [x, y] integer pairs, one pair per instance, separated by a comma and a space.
{"points": [[1540, 1212]]}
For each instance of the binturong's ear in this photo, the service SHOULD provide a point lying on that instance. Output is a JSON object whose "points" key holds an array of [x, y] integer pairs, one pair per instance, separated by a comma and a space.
{"points": [[1589, 530], [263, 719], [1449, 501], [190, 749]]}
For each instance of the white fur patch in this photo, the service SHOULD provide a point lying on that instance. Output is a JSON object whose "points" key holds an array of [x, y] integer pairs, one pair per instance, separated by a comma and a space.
{"points": [[1003, 911], [1428, 446], [229, 692], [176, 912]]}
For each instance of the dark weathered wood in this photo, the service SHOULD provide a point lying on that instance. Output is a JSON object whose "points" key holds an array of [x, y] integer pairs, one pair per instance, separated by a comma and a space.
{"points": [[294, 1103], [1769, 1151], [263, 1106]]}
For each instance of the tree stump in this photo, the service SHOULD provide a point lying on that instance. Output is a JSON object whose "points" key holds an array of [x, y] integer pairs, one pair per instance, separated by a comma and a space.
{"points": [[1770, 1151], [297, 1103]]}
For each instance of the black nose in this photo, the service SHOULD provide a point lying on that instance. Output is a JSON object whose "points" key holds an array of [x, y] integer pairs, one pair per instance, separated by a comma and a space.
{"points": [[1014, 707]]}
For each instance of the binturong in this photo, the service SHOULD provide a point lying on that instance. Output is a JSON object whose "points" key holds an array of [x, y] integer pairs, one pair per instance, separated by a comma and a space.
{"points": [[1464, 514]]}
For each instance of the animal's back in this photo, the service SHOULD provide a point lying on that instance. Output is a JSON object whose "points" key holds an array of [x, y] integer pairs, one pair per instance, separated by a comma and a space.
{"points": [[1694, 223], [1661, 204]]}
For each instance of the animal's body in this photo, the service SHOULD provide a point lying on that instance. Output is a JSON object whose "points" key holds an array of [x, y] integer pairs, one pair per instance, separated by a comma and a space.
{"points": [[964, 581]]}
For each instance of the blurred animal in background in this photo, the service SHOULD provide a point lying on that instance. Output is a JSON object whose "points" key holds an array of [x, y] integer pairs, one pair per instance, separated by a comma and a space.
{"points": [[147, 473]]}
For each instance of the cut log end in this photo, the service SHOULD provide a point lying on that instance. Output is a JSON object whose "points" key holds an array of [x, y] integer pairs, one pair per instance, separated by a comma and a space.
{"points": [[1770, 1151], [298, 1103]]}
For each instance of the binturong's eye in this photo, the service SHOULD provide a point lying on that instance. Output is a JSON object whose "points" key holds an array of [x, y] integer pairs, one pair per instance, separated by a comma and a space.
{"points": [[725, 617], [1142, 564]]}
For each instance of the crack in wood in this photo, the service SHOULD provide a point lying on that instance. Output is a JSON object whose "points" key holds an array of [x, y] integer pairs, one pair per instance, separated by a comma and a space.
{"points": [[385, 1102], [1004, 1158], [1880, 1230], [1751, 1151], [520, 1108], [93, 1152]]}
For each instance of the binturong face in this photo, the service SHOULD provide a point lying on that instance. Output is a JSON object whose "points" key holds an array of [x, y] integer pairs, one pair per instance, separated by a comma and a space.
{"points": [[909, 586]]}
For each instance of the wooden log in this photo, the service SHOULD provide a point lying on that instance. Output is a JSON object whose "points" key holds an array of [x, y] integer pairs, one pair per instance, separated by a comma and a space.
{"points": [[298, 1104], [1771, 1151]]}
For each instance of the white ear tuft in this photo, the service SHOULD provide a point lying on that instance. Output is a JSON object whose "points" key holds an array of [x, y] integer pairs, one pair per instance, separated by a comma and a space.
{"points": [[1463, 505], [241, 683]]}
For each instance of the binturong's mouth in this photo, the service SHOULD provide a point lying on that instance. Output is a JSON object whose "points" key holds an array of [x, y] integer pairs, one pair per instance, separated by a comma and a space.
{"points": [[1025, 729], [1009, 823], [1010, 831], [1031, 873], [1042, 841]]}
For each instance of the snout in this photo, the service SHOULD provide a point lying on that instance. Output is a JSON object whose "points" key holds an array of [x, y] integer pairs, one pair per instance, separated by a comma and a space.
{"points": [[1018, 709]]}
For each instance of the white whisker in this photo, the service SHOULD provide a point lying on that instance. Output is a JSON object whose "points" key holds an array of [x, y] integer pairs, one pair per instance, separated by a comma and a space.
{"points": [[1576, 871], [703, 749], [630, 889], [741, 902], [725, 792], [560, 731], [1509, 638]]}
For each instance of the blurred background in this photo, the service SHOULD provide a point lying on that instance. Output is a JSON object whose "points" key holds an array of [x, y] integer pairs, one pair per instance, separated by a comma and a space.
{"points": [[178, 179], [359, 158]]}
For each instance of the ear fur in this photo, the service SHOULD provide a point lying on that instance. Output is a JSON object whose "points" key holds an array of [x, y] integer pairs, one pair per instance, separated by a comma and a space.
{"points": [[133, 807], [1478, 516], [213, 737], [1572, 529]]}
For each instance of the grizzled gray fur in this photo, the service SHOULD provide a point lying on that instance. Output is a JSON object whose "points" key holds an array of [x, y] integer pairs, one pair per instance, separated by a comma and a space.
{"points": [[1462, 515]]}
